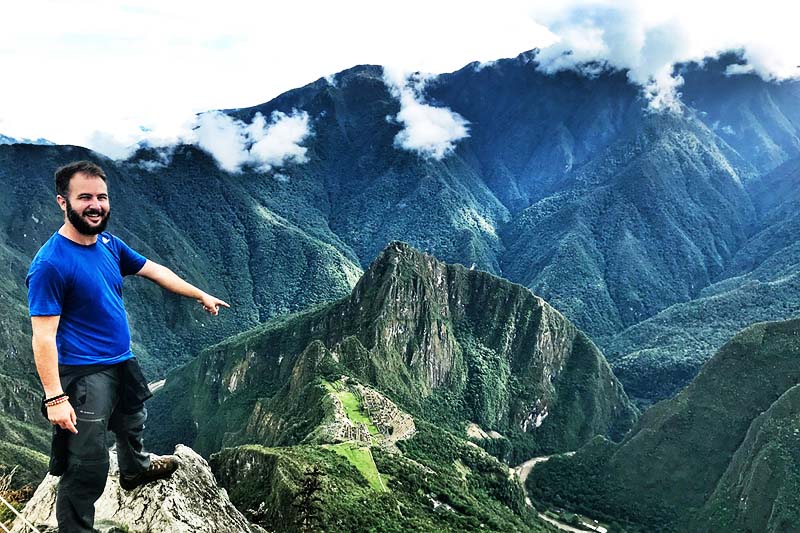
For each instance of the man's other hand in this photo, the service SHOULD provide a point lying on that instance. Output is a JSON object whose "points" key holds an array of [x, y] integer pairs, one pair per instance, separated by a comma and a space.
{"points": [[63, 416], [211, 303]]}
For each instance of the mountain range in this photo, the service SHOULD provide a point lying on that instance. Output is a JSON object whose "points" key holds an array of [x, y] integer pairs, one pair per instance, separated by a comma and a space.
{"points": [[5, 139], [659, 235]]}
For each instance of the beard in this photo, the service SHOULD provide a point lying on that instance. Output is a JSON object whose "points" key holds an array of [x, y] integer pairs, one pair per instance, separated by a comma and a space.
{"points": [[83, 226]]}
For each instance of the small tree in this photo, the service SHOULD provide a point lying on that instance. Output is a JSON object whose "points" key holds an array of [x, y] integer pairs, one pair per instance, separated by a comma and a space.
{"points": [[307, 502]]}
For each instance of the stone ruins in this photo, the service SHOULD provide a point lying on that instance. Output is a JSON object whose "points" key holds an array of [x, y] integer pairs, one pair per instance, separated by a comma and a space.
{"points": [[393, 424]]}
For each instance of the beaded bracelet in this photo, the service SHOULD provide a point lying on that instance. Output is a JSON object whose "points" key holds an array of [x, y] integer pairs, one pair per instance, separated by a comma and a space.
{"points": [[56, 397], [56, 400]]}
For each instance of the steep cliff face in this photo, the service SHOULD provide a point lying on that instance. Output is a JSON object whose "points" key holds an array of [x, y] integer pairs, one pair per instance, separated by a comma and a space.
{"points": [[759, 490], [508, 357], [446, 343], [721, 453]]}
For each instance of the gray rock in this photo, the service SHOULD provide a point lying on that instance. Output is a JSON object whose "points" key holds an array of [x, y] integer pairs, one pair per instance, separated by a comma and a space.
{"points": [[190, 501]]}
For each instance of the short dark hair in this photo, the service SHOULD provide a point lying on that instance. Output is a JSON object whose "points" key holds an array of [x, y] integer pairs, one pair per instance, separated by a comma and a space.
{"points": [[65, 173]]}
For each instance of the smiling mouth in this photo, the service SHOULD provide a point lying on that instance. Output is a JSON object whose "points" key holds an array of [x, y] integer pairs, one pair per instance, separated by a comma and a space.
{"points": [[94, 216]]}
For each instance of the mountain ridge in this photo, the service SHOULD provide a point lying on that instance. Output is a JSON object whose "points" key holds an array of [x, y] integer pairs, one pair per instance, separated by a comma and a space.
{"points": [[416, 329]]}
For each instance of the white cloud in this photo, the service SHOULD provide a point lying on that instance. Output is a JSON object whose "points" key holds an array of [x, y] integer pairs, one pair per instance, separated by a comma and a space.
{"points": [[73, 68], [161, 158], [278, 143], [112, 146], [737, 69], [649, 38], [151, 165], [427, 130], [223, 137], [263, 145]]}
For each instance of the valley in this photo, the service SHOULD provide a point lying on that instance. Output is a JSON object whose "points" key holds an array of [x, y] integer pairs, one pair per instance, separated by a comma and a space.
{"points": [[582, 285]]}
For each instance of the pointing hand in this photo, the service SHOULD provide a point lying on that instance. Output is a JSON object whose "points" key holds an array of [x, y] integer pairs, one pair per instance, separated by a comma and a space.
{"points": [[211, 303]]}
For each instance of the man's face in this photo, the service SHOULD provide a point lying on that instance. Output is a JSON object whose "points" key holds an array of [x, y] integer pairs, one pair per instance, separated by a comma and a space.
{"points": [[86, 205]]}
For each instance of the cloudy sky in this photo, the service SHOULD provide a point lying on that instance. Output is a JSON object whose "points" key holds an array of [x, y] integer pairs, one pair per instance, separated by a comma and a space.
{"points": [[107, 74]]}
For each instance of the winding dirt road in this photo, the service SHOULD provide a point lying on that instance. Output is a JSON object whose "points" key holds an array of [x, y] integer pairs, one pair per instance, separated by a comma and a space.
{"points": [[523, 470]]}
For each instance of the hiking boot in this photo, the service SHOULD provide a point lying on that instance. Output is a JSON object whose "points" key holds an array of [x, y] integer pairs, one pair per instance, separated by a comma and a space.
{"points": [[161, 467]]}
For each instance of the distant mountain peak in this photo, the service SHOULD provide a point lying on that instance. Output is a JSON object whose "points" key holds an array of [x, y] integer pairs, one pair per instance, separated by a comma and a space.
{"points": [[4, 139]]}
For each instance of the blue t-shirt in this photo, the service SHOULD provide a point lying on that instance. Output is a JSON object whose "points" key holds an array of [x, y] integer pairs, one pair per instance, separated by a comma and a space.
{"points": [[83, 284]]}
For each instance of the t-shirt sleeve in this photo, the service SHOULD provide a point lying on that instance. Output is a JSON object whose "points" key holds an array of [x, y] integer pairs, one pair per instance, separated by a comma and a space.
{"points": [[130, 261], [45, 289]]}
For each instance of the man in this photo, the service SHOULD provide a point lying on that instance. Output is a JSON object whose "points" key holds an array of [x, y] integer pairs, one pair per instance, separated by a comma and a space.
{"points": [[81, 345]]}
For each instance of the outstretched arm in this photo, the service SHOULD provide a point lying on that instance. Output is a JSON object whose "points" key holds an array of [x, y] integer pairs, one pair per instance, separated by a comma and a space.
{"points": [[169, 280]]}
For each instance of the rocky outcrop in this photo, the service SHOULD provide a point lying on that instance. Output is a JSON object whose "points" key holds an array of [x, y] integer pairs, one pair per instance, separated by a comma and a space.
{"points": [[190, 501]]}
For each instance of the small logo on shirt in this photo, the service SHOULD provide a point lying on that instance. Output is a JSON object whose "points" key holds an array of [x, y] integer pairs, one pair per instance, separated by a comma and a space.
{"points": [[106, 240]]}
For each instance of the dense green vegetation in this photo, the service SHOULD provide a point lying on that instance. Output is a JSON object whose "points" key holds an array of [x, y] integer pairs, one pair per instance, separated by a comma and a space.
{"points": [[583, 484], [729, 437], [20, 446], [658, 356], [611, 238], [758, 491], [448, 345], [361, 458], [438, 483]]}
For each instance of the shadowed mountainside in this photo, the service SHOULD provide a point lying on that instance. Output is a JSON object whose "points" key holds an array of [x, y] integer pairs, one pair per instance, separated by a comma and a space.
{"points": [[719, 455]]}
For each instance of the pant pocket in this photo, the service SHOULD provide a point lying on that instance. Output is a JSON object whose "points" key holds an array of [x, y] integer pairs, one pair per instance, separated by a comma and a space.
{"points": [[94, 396], [89, 445]]}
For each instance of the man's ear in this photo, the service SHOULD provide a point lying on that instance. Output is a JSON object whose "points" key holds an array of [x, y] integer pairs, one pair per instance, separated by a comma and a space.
{"points": [[62, 202]]}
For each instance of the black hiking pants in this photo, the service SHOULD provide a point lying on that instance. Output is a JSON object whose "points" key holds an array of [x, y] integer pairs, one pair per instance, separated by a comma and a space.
{"points": [[96, 400]]}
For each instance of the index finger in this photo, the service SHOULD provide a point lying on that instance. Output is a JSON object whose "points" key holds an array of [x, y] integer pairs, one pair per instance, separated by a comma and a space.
{"points": [[70, 426], [223, 304]]}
